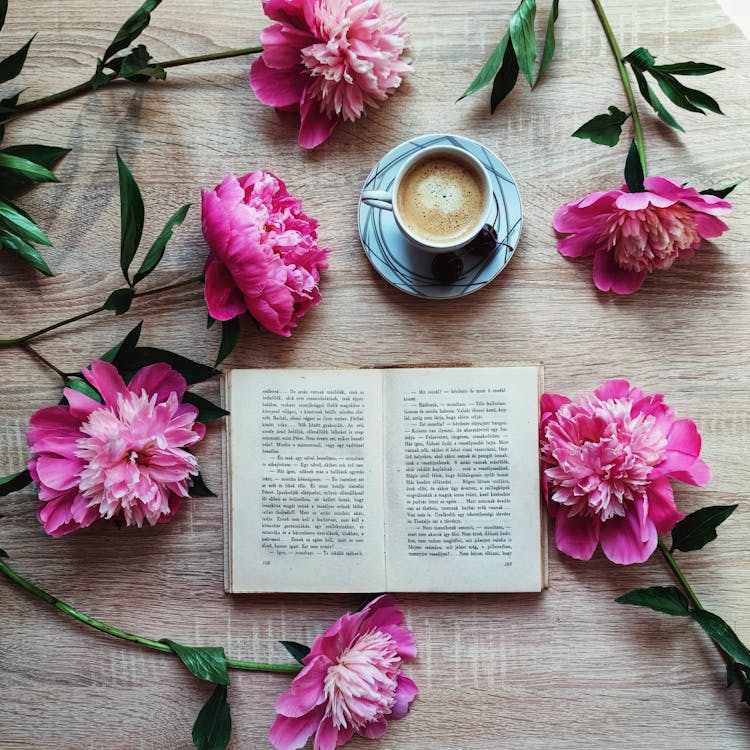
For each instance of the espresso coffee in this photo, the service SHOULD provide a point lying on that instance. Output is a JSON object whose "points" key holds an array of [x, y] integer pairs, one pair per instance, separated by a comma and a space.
{"points": [[441, 199]]}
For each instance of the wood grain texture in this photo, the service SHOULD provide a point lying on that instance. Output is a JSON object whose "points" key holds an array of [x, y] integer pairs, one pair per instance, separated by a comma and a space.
{"points": [[567, 669]]}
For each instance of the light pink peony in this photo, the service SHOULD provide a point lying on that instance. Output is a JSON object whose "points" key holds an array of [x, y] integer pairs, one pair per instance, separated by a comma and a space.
{"points": [[124, 459], [264, 256], [632, 234], [607, 460], [352, 682], [328, 59]]}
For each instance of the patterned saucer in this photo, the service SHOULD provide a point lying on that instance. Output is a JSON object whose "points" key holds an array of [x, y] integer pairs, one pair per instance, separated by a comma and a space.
{"points": [[449, 275]]}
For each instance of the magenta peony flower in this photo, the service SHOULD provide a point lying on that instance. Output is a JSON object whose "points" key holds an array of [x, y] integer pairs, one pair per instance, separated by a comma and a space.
{"points": [[607, 460], [352, 681], [632, 234], [328, 59], [124, 459], [264, 256]]}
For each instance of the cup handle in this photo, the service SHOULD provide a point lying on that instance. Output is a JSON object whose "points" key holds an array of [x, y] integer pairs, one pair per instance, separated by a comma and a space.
{"points": [[377, 199]]}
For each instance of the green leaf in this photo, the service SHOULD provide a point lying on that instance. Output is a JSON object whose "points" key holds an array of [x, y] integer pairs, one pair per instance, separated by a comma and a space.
{"points": [[634, 170], [25, 168], [18, 223], [230, 335], [213, 727], [125, 347], [46, 156], [156, 252], [140, 356], [205, 662], [490, 69], [667, 599], [640, 59], [131, 217], [131, 29], [672, 88], [84, 387], [696, 530], [136, 66], [13, 65], [3, 11], [505, 79], [4, 554], [549, 41], [7, 106], [722, 635], [649, 95], [100, 78], [523, 38], [27, 251], [207, 411], [604, 129], [699, 98], [199, 488], [14, 482], [297, 650], [722, 191], [689, 68], [120, 300], [210, 321]]}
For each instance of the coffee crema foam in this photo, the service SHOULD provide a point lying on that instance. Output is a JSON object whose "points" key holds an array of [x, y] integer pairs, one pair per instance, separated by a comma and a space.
{"points": [[440, 199]]}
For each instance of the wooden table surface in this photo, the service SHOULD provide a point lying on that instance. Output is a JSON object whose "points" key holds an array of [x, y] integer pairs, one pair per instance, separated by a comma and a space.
{"points": [[565, 669]]}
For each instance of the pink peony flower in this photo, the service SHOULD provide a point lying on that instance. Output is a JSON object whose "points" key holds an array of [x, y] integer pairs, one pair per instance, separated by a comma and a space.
{"points": [[328, 59], [264, 256], [632, 234], [352, 681], [607, 460], [124, 459]]}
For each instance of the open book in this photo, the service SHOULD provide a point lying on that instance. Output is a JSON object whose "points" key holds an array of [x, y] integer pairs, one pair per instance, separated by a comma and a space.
{"points": [[415, 479]]}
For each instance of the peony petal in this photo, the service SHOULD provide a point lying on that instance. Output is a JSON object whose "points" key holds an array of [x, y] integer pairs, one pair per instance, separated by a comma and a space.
{"points": [[374, 730], [613, 389], [277, 88], [306, 691], [406, 692], [223, 297], [328, 737], [315, 127], [107, 380], [709, 226], [159, 379], [696, 474], [683, 448], [662, 510], [292, 733], [58, 473], [576, 536], [80, 406], [622, 539], [579, 245], [608, 276]]}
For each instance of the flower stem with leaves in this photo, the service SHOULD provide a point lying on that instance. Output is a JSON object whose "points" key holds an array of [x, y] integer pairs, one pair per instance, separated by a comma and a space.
{"points": [[693, 533], [213, 726]]}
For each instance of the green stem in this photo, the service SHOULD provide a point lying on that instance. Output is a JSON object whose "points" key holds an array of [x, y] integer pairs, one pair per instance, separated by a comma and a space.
{"points": [[688, 589], [20, 340], [117, 633], [34, 353], [87, 86], [617, 52], [679, 575]]}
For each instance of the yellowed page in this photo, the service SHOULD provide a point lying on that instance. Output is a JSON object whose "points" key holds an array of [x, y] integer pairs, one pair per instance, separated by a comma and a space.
{"points": [[305, 470], [462, 479]]}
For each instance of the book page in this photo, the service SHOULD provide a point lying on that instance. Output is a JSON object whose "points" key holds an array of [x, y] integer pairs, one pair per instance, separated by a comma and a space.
{"points": [[462, 479], [306, 507]]}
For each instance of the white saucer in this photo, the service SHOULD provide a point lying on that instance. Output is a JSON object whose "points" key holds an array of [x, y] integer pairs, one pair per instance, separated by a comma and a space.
{"points": [[410, 269]]}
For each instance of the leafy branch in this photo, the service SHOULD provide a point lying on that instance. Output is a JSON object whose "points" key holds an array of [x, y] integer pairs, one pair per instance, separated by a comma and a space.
{"points": [[135, 65], [693, 533], [213, 727]]}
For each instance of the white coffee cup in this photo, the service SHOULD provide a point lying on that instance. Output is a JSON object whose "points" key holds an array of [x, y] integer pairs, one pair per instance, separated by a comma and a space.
{"points": [[440, 198]]}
